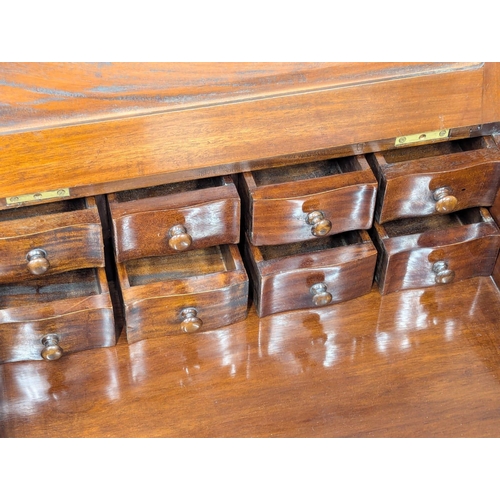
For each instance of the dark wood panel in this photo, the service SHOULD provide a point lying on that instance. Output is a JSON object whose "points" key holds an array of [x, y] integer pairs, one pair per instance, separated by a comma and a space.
{"points": [[467, 172], [465, 242], [421, 362], [206, 217]]}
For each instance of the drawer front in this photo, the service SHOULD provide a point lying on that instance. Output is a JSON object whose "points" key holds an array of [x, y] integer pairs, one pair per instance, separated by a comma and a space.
{"points": [[63, 249], [348, 275], [21, 340], [424, 266], [421, 195], [279, 221], [163, 232], [436, 178], [185, 313]]}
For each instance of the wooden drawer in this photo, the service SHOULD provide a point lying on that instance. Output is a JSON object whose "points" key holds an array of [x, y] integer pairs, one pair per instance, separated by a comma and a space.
{"points": [[172, 218], [311, 274], [436, 178], [196, 291], [50, 239], [439, 249], [306, 201], [53, 316]]}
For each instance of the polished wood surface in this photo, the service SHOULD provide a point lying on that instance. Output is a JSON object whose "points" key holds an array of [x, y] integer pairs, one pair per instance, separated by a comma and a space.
{"points": [[172, 218], [281, 204], [436, 178], [421, 362], [338, 105], [156, 291], [76, 307], [418, 363], [468, 241], [67, 233], [46, 95], [285, 277]]}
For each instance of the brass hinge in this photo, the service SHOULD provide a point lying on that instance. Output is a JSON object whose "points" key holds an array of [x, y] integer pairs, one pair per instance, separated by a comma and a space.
{"points": [[422, 137], [41, 196]]}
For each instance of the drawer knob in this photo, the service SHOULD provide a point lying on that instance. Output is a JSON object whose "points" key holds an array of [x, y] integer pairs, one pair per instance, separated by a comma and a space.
{"points": [[190, 321], [320, 296], [37, 261], [443, 274], [445, 201], [52, 349], [320, 225], [178, 238]]}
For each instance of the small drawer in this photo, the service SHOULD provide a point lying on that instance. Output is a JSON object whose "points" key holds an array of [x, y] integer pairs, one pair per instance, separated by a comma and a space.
{"points": [[307, 201], [311, 274], [436, 178], [45, 318], [173, 218], [434, 250], [50, 239], [196, 291]]}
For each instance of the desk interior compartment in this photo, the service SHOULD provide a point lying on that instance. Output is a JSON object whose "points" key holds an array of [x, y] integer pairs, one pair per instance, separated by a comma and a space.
{"points": [[158, 292], [312, 273], [174, 218], [302, 202], [75, 307]]}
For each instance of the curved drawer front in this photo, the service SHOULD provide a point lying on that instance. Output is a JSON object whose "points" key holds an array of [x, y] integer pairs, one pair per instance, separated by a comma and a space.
{"points": [[348, 274], [158, 316], [21, 332], [417, 195], [279, 221], [467, 253], [66, 248], [146, 234]]}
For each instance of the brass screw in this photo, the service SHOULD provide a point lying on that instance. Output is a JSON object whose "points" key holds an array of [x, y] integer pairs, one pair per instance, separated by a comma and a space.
{"points": [[442, 133], [61, 192], [402, 140]]}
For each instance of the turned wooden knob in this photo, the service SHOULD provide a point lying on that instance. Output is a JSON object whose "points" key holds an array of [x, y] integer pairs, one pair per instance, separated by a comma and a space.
{"points": [[37, 261], [445, 201], [443, 274], [190, 321], [320, 225], [178, 238], [320, 296], [52, 349]]}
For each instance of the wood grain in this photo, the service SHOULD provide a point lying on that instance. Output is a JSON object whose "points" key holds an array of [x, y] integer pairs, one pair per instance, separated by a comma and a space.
{"points": [[210, 216], [71, 240], [276, 211], [41, 95], [418, 363], [407, 185], [491, 92], [495, 213], [282, 282], [177, 144], [81, 318], [470, 248], [215, 285]]}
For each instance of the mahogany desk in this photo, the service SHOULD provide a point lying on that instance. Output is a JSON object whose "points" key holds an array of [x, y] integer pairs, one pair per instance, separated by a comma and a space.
{"points": [[421, 362]]}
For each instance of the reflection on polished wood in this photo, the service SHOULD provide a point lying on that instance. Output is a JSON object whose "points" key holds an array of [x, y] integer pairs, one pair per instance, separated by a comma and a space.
{"points": [[422, 362]]}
